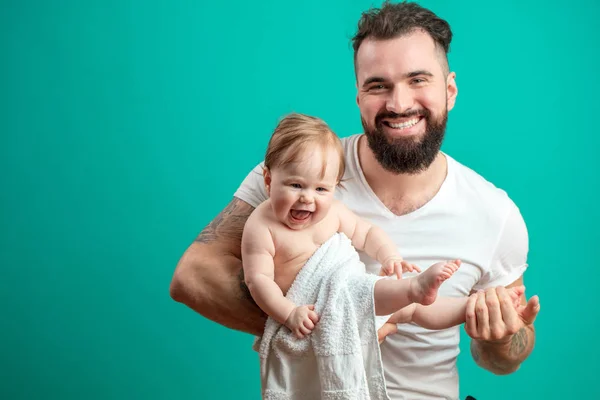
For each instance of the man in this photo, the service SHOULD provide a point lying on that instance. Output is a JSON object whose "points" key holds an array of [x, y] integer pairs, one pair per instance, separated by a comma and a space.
{"points": [[431, 205]]}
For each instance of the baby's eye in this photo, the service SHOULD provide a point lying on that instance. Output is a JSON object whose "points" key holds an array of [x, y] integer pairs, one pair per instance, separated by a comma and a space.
{"points": [[295, 185], [321, 189]]}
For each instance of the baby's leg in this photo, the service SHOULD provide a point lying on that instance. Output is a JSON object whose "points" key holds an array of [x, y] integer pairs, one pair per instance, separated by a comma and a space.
{"points": [[392, 295], [426, 285]]}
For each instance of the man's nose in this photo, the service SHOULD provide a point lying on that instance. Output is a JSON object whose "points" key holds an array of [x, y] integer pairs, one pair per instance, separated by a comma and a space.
{"points": [[400, 100]]}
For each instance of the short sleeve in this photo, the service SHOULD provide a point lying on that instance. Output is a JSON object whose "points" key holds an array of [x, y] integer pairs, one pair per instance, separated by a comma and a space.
{"points": [[252, 190], [509, 260]]}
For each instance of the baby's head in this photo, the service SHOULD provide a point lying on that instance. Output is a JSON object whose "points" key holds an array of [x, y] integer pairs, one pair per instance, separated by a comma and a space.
{"points": [[303, 165]]}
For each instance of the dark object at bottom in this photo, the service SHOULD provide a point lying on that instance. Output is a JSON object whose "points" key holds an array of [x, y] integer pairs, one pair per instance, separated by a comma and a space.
{"points": [[470, 398]]}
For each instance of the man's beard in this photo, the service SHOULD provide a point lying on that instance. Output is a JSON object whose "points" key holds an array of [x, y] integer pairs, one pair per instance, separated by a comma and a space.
{"points": [[407, 155]]}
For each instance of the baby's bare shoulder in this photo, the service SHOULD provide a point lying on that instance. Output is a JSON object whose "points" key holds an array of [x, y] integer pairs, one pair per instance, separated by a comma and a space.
{"points": [[262, 214]]}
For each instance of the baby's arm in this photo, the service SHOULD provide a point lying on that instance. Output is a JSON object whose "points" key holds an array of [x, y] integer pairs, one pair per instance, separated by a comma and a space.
{"points": [[444, 313], [372, 240], [258, 251]]}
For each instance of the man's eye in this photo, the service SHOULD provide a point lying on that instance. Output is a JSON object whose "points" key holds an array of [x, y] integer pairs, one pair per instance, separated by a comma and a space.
{"points": [[418, 80], [377, 87]]}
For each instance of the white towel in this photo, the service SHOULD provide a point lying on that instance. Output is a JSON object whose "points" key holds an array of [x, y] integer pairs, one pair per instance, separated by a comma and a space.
{"points": [[340, 359]]}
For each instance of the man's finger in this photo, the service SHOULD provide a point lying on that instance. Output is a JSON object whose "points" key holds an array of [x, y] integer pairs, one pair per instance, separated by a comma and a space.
{"points": [[483, 316], [493, 305], [471, 318], [509, 313], [531, 311]]}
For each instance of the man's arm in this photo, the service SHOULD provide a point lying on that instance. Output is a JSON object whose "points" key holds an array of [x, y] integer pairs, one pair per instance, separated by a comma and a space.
{"points": [[209, 277], [502, 336]]}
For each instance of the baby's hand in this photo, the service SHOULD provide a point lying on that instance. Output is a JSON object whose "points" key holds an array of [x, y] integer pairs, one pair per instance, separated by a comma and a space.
{"points": [[302, 320], [397, 266]]}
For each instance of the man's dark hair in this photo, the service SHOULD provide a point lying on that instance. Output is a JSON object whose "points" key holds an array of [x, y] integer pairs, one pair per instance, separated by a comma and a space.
{"points": [[394, 20]]}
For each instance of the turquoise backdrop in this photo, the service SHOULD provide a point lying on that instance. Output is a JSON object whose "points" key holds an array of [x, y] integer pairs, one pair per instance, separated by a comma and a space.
{"points": [[126, 126]]}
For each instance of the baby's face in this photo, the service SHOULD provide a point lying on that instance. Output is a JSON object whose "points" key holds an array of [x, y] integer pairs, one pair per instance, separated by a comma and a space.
{"points": [[300, 194]]}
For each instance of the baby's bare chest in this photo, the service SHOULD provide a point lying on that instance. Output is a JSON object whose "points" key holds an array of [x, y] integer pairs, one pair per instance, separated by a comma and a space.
{"points": [[292, 251], [296, 247]]}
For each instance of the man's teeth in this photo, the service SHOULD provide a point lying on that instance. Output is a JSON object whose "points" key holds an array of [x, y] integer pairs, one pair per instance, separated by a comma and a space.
{"points": [[407, 124]]}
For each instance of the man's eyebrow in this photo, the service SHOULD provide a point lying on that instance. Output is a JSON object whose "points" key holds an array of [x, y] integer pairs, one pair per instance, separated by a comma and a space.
{"points": [[373, 79], [417, 73]]}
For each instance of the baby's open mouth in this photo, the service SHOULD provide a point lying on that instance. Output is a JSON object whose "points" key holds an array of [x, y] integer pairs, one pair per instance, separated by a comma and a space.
{"points": [[300, 215]]}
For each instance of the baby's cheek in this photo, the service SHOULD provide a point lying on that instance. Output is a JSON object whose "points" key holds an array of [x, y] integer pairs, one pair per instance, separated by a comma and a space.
{"points": [[281, 200]]}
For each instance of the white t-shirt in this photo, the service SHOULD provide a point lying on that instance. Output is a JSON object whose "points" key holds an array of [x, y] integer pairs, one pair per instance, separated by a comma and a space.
{"points": [[469, 219]]}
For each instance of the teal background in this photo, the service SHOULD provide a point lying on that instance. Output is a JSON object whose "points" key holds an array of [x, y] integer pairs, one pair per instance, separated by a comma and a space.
{"points": [[126, 126]]}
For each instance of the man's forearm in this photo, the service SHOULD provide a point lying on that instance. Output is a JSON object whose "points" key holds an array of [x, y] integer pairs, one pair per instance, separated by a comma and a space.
{"points": [[217, 291], [504, 357]]}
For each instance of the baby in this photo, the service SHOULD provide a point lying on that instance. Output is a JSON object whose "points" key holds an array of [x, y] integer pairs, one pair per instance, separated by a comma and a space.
{"points": [[304, 164]]}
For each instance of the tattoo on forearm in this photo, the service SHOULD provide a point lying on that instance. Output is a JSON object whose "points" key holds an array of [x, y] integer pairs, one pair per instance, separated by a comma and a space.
{"points": [[489, 359], [229, 224], [475, 353], [518, 342], [501, 361], [498, 365]]}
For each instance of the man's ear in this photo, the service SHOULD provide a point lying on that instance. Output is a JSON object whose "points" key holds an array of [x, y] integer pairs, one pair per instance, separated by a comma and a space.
{"points": [[267, 178], [452, 90]]}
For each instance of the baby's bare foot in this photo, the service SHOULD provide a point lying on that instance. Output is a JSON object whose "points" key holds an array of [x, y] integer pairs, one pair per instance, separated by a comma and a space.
{"points": [[424, 287], [516, 294]]}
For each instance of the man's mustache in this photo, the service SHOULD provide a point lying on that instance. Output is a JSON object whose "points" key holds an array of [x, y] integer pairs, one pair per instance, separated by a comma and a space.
{"points": [[392, 115]]}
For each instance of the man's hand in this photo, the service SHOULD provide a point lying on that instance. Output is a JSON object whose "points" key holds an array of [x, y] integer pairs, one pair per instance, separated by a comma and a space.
{"points": [[502, 332], [397, 266], [302, 320], [492, 315]]}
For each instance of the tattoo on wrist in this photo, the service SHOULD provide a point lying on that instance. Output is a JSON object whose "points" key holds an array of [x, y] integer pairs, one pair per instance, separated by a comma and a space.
{"points": [[518, 342]]}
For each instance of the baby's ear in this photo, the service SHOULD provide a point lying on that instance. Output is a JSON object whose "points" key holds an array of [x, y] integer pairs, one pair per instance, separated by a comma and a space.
{"points": [[267, 178]]}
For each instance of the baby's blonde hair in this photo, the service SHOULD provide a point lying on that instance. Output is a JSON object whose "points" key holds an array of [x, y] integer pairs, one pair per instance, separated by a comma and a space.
{"points": [[294, 134]]}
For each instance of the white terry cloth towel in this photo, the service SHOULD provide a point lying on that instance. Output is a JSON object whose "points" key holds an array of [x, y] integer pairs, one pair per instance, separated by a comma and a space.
{"points": [[340, 359]]}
